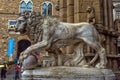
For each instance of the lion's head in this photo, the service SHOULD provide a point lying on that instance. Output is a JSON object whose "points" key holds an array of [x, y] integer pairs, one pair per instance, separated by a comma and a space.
{"points": [[22, 22], [26, 20]]}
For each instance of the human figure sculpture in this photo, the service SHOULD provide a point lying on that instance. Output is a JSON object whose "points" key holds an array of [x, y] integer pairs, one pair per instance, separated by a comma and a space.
{"points": [[47, 31], [90, 14], [117, 24]]}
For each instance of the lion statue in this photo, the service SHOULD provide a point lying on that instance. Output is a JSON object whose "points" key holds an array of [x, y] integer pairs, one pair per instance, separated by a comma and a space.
{"points": [[46, 31]]}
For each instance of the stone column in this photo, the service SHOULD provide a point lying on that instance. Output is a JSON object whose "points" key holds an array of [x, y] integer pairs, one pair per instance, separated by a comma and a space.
{"points": [[113, 52], [105, 4], [70, 11], [70, 19], [76, 11], [110, 11], [107, 45], [112, 46], [63, 10]]}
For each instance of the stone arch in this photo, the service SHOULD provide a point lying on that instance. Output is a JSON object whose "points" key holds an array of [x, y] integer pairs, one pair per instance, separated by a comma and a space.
{"points": [[47, 8], [22, 45]]}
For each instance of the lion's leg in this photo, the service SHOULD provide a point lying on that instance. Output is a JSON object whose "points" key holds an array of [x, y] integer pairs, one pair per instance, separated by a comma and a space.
{"points": [[59, 57], [103, 58], [34, 47], [99, 49]]}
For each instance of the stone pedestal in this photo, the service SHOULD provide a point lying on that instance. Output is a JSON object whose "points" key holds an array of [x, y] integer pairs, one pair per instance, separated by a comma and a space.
{"points": [[68, 73]]}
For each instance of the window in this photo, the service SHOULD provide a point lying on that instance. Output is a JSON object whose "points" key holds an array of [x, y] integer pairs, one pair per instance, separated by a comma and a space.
{"points": [[26, 5], [11, 25], [10, 47], [29, 6], [22, 6], [46, 8], [116, 11], [50, 9]]}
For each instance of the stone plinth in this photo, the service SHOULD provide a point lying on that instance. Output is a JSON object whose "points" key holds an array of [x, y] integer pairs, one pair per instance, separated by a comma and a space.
{"points": [[68, 73]]}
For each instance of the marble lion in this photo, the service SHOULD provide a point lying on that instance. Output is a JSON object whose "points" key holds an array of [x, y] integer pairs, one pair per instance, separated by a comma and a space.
{"points": [[48, 31]]}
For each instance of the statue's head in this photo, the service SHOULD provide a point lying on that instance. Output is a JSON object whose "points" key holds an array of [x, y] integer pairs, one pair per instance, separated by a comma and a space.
{"points": [[22, 21], [90, 9], [26, 19]]}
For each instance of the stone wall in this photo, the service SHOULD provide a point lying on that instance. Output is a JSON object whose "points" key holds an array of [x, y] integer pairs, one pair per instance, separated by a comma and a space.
{"points": [[75, 10], [9, 10], [3, 32]]}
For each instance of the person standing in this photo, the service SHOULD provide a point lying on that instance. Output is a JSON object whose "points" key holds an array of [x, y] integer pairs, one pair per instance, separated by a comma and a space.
{"points": [[17, 68], [3, 73]]}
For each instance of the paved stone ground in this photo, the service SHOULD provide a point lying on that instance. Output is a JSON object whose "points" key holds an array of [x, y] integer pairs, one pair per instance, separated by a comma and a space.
{"points": [[10, 74], [10, 77]]}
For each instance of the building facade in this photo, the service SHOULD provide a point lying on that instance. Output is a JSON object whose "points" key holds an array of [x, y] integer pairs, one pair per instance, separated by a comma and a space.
{"points": [[9, 10], [98, 12]]}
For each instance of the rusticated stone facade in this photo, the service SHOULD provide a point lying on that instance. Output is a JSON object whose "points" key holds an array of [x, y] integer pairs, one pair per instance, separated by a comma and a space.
{"points": [[73, 11], [9, 10]]}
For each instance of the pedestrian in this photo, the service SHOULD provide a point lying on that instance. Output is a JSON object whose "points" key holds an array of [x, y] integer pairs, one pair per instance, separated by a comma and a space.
{"points": [[17, 69], [3, 73]]}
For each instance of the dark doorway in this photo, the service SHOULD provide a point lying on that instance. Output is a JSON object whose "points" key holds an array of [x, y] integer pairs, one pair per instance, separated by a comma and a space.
{"points": [[22, 45], [119, 50]]}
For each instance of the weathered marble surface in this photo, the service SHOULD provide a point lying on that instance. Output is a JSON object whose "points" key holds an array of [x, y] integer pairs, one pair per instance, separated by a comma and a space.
{"points": [[68, 73], [47, 31]]}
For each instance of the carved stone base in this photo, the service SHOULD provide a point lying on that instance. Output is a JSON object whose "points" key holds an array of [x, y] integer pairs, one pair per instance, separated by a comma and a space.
{"points": [[68, 73]]}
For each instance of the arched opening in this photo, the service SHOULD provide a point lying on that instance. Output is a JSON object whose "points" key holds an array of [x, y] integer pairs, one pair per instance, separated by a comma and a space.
{"points": [[22, 45], [29, 6], [26, 5], [22, 6]]}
